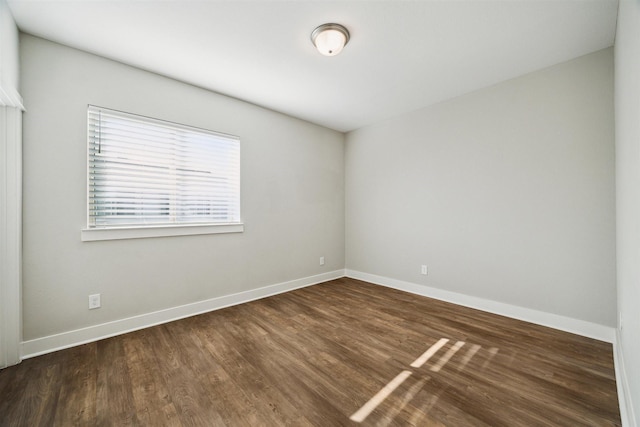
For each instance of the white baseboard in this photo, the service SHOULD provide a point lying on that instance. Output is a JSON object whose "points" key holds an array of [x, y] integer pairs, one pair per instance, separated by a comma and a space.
{"points": [[89, 334], [624, 394], [76, 337], [68, 339], [567, 324]]}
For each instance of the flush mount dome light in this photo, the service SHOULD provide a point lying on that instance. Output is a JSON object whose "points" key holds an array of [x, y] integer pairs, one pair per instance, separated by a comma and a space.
{"points": [[329, 39]]}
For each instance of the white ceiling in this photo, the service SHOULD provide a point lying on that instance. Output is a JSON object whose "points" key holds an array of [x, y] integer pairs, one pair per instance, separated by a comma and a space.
{"points": [[403, 55]]}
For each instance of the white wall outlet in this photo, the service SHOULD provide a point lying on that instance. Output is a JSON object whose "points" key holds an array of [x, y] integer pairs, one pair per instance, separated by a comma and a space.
{"points": [[424, 270], [321, 260], [94, 301]]}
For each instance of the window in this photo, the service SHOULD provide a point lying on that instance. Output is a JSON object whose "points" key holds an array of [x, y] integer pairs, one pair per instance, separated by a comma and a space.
{"points": [[148, 173]]}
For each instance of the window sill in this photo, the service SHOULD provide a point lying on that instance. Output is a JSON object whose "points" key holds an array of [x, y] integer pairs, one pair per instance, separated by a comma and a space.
{"points": [[95, 234]]}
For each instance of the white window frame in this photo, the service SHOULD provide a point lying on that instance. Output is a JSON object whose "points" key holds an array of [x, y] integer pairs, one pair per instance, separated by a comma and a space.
{"points": [[133, 231]]}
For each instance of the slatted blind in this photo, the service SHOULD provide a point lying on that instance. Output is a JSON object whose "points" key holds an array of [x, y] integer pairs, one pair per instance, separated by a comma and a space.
{"points": [[144, 171]]}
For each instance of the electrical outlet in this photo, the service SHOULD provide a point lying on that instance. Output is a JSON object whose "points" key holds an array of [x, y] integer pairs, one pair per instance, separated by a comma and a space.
{"points": [[424, 270], [321, 260], [94, 301]]}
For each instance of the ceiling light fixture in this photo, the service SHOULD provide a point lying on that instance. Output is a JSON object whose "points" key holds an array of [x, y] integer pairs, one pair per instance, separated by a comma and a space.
{"points": [[329, 39]]}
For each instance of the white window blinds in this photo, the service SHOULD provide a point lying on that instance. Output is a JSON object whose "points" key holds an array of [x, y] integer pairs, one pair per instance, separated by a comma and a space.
{"points": [[144, 171]]}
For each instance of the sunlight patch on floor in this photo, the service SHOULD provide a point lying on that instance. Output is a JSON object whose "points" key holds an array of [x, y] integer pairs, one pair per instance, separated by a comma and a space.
{"points": [[361, 414], [448, 355], [373, 403], [429, 353]]}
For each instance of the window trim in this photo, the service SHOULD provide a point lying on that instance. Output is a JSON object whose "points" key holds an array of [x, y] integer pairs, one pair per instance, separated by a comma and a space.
{"points": [[120, 233], [137, 231]]}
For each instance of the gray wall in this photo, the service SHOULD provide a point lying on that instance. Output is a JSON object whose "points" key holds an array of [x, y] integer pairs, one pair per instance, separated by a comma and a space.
{"points": [[292, 197], [627, 105], [9, 75], [506, 193], [10, 192]]}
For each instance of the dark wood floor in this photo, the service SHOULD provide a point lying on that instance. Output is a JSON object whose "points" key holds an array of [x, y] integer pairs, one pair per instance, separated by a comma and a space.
{"points": [[322, 356]]}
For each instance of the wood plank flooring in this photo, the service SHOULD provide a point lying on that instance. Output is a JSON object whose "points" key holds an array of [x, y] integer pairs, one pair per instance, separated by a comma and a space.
{"points": [[320, 356]]}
